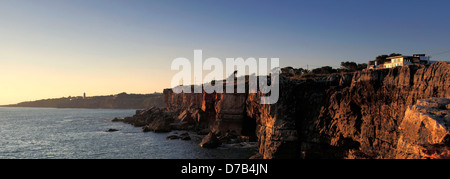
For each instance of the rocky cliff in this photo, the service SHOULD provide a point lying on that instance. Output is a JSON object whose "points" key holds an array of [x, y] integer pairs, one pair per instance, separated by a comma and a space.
{"points": [[425, 130], [349, 115], [364, 117]]}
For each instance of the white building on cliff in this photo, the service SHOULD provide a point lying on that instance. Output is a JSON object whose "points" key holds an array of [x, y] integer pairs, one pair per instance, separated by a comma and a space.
{"points": [[401, 60]]}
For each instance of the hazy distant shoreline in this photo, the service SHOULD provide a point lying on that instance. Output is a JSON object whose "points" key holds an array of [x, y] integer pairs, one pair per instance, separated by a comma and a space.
{"points": [[118, 101]]}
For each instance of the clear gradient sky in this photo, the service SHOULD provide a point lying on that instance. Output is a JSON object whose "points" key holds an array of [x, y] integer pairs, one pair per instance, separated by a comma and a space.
{"points": [[56, 48]]}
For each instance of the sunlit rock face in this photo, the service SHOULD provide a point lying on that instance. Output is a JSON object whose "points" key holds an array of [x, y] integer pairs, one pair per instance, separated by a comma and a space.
{"points": [[424, 131], [348, 115]]}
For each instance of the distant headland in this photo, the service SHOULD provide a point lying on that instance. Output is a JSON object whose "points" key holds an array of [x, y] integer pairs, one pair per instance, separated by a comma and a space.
{"points": [[118, 101]]}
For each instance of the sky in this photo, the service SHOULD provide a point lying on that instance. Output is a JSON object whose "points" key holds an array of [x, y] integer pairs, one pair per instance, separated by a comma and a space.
{"points": [[60, 48]]}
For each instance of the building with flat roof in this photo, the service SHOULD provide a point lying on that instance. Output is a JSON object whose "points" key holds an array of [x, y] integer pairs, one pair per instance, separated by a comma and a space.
{"points": [[401, 60]]}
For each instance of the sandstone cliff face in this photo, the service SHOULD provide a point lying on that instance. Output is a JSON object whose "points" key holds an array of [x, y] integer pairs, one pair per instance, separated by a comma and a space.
{"points": [[354, 115], [425, 129], [219, 112], [364, 118]]}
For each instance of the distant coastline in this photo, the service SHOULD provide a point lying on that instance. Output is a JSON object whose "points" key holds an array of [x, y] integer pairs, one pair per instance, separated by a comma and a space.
{"points": [[118, 101]]}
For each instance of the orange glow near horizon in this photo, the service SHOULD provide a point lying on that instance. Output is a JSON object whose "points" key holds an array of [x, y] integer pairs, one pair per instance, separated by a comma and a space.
{"points": [[22, 81]]}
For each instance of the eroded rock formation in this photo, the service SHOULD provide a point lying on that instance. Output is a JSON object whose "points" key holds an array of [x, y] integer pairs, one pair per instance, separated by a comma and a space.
{"points": [[364, 118], [425, 130], [349, 115]]}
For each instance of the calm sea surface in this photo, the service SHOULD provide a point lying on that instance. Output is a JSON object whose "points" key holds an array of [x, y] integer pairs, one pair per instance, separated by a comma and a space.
{"points": [[46, 133]]}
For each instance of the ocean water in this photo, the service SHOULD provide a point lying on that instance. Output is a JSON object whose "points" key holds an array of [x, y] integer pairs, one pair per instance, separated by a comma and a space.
{"points": [[47, 133]]}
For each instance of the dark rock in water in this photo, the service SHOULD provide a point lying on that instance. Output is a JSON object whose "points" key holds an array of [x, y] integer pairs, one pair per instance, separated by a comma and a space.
{"points": [[210, 141], [173, 137], [184, 136], [117, 120], [112, 130], [146, 129], [152, 119]]}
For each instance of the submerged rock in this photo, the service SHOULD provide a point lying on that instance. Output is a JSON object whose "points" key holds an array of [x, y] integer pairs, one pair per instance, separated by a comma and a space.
{"points": [[112, 130]]}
